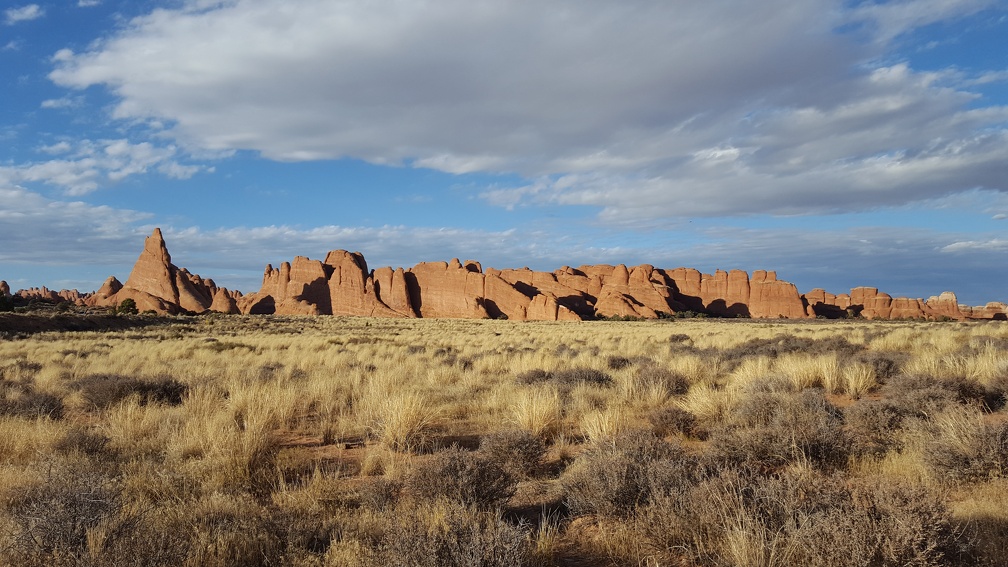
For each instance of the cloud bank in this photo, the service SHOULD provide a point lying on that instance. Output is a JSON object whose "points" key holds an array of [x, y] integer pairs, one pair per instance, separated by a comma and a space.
{"points": [[646, 110]]}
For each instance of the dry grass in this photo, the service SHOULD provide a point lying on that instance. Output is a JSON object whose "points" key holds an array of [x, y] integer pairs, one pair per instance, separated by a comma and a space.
{"points": [[286, 440]]}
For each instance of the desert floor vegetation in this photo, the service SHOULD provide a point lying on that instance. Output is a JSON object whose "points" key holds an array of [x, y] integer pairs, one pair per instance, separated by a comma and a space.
{"points": [[289, 441]]}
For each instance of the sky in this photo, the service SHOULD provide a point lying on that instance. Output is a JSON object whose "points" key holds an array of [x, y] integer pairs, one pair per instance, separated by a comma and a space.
{"points": [[838, 142]]}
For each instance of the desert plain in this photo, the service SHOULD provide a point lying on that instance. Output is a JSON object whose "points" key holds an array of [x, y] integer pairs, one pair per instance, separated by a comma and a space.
{"points": [[296, 440]]}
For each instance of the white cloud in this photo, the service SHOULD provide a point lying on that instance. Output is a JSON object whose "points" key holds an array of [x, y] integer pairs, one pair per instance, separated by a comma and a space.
{"points": [[992, 245], [64, 102], [890, 19], [88, 165], [36, 230], [23, 14], [88, 3], [647, 110]]}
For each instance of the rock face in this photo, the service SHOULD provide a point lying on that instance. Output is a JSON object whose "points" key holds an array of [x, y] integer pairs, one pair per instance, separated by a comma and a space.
{"points": [[48, 295], [342, 284], [993, 310], [4, 289], [870, 303], [155, 284]]}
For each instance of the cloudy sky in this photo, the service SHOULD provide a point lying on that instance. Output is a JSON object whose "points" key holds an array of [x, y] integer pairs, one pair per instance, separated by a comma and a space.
{"points": [[840, 142]]}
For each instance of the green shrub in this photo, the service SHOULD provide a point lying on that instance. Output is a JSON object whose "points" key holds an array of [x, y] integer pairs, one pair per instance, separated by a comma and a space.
{"points": [[127, 307]]}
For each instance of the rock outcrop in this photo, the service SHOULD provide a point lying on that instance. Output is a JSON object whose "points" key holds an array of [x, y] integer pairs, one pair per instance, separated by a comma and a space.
{"points": [[870, 303], [155, 284], [342, 284], [993, 310], [4, 289], [51, 296]]}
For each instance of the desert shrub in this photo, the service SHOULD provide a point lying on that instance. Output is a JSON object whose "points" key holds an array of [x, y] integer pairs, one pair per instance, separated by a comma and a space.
{"points": [[85, 441], [78, 516], [618, 362], [51, 521], [22, 399], [517, 451], [450, 535], [460, 475], [611, 477], [874, 522], [786, 344], [675, 383], [673, 420], [997, 392], [105, 390], [775, 429], [960, 446], [679, 338], [566, 378], [231, 529], [534, 376], [886, 364], [575, 376], [874, 426], [920, 396], [378, 493], [738, 517]]}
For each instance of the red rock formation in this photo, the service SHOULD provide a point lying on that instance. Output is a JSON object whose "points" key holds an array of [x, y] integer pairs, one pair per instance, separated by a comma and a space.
{"points": [[106, 291], [944, 305], [343, 285], [634, 294], [992, 310], [352, 288], [569, 288], [390, 286], [155, 284], [439, 289], [224, 302], [870, 303], [4, 289], [769, 297]]}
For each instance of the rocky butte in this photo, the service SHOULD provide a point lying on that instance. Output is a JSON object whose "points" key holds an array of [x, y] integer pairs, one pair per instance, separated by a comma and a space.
{"points": [[342, 284]]}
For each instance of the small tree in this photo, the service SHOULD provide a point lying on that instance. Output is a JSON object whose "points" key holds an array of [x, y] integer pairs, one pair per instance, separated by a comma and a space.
{"points": [[127, 307]]}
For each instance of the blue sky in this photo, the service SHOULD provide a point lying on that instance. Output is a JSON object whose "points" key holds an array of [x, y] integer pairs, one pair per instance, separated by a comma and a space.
{"points": [[841, 143]]}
